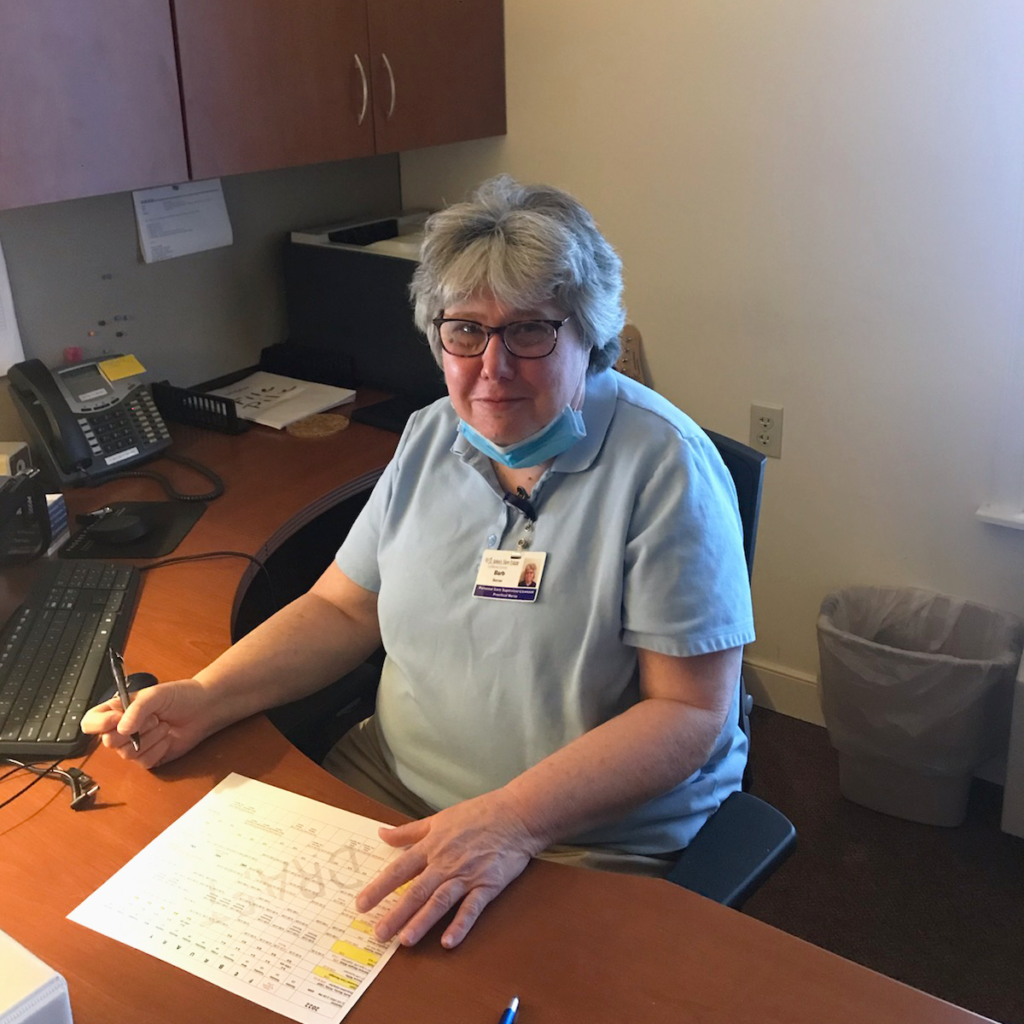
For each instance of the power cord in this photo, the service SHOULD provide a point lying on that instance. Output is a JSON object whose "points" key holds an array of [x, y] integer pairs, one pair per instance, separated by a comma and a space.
{"points": [[83, 787]]}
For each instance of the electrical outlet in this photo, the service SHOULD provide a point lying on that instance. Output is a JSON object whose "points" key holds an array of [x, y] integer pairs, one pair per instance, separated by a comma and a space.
{"points": [[766, 429]]}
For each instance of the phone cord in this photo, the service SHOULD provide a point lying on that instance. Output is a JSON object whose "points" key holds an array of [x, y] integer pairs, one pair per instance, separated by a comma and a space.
{"points": [[218, 484]]}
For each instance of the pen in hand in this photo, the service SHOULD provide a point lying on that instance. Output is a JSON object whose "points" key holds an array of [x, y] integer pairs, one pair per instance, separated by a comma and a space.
{"points": [[117, 667], [510, 1014]]}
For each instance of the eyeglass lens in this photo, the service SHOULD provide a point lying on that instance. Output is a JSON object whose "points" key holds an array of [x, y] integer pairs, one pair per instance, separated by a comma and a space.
{"points": [[530, 339]]}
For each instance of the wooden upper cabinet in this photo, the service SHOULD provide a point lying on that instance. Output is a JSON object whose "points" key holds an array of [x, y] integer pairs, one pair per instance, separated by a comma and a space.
{"points": [[92, 96], [88, 99], [273, 83], [438, 71]]}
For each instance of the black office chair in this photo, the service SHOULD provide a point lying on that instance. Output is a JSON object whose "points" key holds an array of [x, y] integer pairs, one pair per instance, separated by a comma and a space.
{"points": [[740, 845], [746, 839]]}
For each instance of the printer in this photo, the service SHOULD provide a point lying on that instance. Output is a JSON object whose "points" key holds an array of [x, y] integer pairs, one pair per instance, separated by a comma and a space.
{"points": [[350, 315]]}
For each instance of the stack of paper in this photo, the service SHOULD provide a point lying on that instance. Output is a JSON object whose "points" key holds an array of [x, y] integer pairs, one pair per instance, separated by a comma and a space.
{"points": [[276, 401]]}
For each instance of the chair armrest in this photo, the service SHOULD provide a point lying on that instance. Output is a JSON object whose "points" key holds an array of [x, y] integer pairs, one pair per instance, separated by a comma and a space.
{"points": [[740, 845], [316, 722]]}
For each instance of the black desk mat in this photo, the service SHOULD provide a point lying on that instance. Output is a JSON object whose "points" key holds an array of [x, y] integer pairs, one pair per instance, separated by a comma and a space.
{"points": [[167, 522]]}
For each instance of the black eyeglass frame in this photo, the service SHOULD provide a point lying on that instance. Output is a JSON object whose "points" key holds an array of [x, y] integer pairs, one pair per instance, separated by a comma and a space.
{"points": [[555, 325]]}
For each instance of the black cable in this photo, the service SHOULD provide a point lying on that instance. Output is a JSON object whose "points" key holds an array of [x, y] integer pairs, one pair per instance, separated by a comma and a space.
{"points": [[19, 766], [214, 554], [169, 489], [83, 787]]}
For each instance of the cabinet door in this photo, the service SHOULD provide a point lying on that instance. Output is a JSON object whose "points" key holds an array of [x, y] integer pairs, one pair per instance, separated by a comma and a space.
{"points": [[88, 99], [273, 83], [438, 71]]}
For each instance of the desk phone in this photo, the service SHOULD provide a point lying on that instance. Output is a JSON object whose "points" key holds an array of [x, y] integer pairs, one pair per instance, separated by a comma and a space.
{"points": [[88, 426]]}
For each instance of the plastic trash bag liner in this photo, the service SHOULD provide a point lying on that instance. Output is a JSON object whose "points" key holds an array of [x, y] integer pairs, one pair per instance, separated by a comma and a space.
{"points": [[916, 677]]}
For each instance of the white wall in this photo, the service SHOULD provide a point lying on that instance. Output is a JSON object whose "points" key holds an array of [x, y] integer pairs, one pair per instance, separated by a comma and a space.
{"points": [[820, 204]]}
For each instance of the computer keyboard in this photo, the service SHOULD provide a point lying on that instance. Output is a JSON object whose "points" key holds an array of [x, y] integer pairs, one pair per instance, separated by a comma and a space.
{"points": [[53, 655]]}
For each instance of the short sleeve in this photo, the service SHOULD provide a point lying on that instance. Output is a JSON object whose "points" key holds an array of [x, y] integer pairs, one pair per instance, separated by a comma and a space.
{"points": [[685, 589], [358, 556]]}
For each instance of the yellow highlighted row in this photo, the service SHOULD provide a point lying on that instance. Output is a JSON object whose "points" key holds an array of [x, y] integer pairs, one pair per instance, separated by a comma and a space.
{"points": [[361, 956], [333, 976]]}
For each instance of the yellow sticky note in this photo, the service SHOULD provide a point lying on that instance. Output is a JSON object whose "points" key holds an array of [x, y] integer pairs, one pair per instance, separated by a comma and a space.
{"points": [[122, 366]]}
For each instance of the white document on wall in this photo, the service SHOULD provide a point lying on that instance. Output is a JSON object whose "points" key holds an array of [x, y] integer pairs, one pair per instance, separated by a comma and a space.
{"points": [[177, 220], [253, 889], [11, 351]]}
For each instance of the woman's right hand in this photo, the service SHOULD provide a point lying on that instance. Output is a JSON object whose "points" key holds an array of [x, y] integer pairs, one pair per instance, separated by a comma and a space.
{"points": [[170, 718]]}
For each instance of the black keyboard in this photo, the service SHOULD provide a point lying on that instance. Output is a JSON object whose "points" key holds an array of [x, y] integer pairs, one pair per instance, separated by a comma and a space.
{"points": [[53, 655]]}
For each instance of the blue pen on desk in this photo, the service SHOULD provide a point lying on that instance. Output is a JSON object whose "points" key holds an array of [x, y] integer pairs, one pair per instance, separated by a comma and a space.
{"points": [[510, 1014], [117, 667]]}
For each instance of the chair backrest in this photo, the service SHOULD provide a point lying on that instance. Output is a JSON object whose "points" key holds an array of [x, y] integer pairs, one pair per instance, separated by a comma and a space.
{"points": [[746, 465], [745, 840]]}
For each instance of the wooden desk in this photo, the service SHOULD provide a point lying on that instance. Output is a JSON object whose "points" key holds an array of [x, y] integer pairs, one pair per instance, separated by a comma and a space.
{"points": [[574, 945]]}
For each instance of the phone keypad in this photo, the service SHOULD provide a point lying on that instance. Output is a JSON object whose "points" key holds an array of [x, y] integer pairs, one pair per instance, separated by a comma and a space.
{"points": [[135, 423]]}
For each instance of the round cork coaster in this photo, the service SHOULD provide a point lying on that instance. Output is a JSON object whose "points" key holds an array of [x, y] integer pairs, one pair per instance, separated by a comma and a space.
{"points": [[323, 424]]}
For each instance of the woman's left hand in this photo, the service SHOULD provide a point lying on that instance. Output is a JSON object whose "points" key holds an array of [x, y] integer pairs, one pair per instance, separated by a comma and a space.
{"points": [[465, 854]]}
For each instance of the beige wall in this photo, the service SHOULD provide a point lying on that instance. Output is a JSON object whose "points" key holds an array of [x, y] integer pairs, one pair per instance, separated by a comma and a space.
{"points": [[819, 205]]}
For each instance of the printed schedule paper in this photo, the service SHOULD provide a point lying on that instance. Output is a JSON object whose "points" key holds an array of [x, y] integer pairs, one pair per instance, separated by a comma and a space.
{"points": [[253, 889], [178, 220]]}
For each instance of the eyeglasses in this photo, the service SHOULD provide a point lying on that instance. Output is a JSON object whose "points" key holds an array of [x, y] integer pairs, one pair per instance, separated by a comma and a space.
{"points": [[525, 339]]}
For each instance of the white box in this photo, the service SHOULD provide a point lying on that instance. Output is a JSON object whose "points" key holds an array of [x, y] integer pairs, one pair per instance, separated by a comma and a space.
{"points": [[30, 992]]}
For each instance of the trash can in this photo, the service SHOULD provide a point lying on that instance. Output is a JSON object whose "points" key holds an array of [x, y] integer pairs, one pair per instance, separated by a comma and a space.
{"points": [[915, 690]]}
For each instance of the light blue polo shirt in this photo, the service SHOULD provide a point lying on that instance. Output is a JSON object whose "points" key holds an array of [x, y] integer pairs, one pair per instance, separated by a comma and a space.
{"points": [[644, 548]]}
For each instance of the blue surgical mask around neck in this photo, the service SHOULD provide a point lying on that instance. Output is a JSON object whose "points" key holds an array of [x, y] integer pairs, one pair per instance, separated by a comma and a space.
{"points": [[558, 436]]}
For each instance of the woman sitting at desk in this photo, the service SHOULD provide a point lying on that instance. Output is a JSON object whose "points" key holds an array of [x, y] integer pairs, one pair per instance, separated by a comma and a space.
{"points": [[592, 718]]}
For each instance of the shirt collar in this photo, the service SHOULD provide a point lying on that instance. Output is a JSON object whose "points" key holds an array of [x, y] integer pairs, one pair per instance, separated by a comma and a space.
{"points": [[598, 407]]}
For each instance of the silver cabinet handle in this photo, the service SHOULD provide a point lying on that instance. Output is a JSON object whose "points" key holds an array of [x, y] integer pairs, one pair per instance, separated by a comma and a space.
{"points": [[391, 76], [366, 91]]}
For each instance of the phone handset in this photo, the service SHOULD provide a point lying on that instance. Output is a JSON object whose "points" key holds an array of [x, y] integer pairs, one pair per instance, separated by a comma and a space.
{"points": [[36, 386]]}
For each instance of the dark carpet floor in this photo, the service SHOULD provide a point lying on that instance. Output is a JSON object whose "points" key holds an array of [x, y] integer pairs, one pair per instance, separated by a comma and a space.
{"points": [[938, 908]]}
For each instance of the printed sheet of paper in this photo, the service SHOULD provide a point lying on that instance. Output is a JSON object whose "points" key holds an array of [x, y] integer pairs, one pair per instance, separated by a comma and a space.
{"points": [[177, 220], [11, 351], [276, 401], [260, 391], [253, 889]]}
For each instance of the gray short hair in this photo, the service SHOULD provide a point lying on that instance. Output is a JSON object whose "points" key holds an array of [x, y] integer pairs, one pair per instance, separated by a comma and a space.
{"points": [[526, 244]]}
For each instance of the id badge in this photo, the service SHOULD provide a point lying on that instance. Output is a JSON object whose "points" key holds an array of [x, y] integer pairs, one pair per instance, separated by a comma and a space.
{"points": [[510, 575]]}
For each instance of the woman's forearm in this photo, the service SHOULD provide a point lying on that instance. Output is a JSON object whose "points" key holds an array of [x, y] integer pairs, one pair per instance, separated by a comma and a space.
{"points": [[614, 768], [297, 651]]}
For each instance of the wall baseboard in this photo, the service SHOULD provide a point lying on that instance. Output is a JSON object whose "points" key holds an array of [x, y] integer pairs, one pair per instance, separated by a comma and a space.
{"points": [[797, 696], [783, 690]]}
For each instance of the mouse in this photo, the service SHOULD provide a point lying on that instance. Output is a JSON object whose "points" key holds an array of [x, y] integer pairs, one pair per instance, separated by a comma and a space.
{"points": [[135, 681], [118, 528]]}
